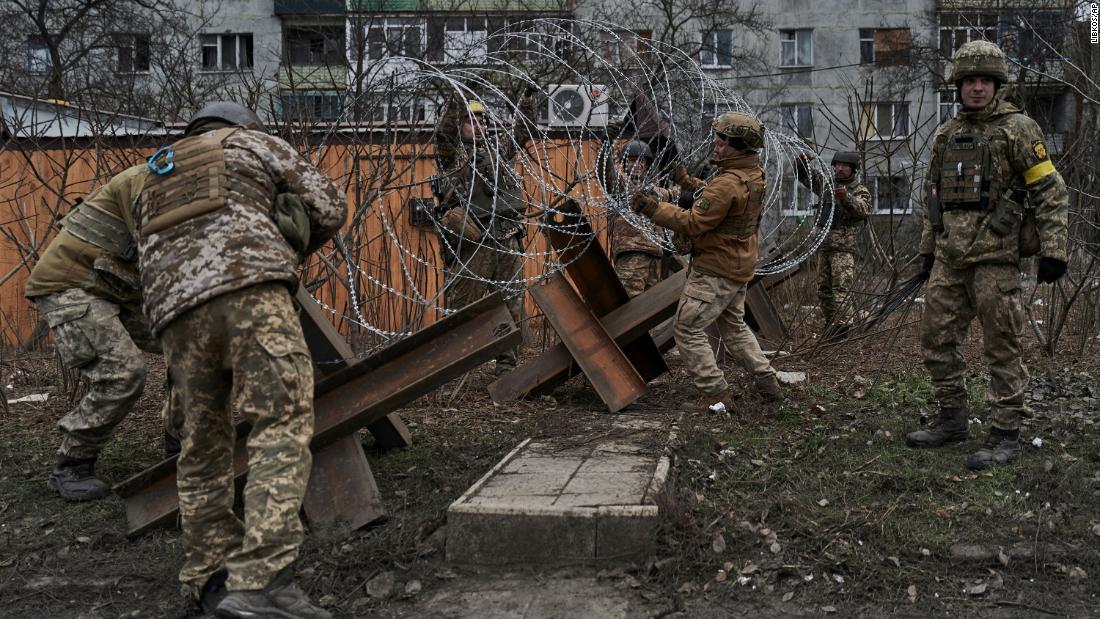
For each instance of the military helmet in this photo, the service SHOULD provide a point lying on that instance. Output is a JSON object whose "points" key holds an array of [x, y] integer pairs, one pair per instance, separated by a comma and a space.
{"points": [[846, 156], [737, 125], [979, 58], [227, 111], [635, 149]]}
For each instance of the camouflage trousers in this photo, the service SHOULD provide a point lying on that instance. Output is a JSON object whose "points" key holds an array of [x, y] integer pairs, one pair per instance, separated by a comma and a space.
{"points": [[638, 271], [246, 348], [467, 279], [834, 281], [93, 335], [706, 300], [952, 300]]}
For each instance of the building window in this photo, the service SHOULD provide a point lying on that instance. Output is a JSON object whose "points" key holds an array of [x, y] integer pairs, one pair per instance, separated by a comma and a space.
{"points": [[320, 46], [226, 52], [625, 47], [133, 53], [716, 51], [797, 199], [884, 46], [396, 38], [866, 45], [465, 40], [797, 47], [324, 106], [884, 121], [891, 194], [38, 56], [949, 103], [798, 118], [959, 28], [402, 108]]}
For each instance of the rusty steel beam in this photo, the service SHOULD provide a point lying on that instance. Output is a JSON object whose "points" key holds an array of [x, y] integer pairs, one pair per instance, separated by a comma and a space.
{"points": [[354, 397], [341, 489], [761, 316], [625, 324], [586, 263], [603, 362], [331, 352]]}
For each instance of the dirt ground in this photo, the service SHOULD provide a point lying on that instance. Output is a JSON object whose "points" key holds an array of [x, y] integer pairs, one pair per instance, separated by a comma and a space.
{"points": [[809, 508]]}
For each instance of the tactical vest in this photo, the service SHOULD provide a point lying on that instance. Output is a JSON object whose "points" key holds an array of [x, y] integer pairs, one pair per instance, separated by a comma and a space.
{"points": [[197, 184], [101, 229], [747, 222], [967, 178]]}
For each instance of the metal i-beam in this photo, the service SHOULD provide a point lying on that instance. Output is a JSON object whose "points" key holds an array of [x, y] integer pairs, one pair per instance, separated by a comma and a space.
{"points": [[625, 324], [354, 397], [603, 362], [587, 265]]}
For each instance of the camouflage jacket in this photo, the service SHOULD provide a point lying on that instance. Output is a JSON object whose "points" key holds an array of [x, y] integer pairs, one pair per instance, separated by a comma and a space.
{"points": [[72, 262], [237, 245], [848, 216], [1018, 161], [724, 223], [629, 236], [481, 176]]}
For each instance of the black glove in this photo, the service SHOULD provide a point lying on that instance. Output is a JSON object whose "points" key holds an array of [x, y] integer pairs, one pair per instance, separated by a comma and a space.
{"points": [[1050, 270], [644, 203], [929, 260]]}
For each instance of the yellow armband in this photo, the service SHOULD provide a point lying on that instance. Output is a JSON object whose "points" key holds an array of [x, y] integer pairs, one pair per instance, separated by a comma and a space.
{"points": [[1038, 172]]}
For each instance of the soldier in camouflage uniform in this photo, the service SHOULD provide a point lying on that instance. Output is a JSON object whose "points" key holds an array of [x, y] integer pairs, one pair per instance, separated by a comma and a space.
{"points": [[724, 227], [989, 167], [86, 288], [637, 258], [850, 202], [222, 231], [482, 205]]}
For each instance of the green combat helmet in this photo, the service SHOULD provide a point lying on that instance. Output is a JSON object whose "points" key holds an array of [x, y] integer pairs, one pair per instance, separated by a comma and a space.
{"points": [[737, 125], [636, 149], [848, 157], [226, 111], [979, 58]]}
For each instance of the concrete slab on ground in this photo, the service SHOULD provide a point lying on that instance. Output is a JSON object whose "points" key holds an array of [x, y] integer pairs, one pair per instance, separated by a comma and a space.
{"points": [[581, 500]]}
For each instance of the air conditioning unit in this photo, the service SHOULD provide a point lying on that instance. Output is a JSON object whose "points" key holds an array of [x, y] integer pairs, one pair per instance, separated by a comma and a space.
{"points": [[577, 105]]}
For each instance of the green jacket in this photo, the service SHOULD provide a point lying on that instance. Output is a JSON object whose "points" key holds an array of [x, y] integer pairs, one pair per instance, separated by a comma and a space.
{"points": [[70, 262], [1018, 161]]}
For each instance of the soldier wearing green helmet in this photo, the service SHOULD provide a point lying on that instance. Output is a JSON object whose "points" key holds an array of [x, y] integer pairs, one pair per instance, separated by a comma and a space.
{"points": [[723, 224], [989, 172], [850, 201]]}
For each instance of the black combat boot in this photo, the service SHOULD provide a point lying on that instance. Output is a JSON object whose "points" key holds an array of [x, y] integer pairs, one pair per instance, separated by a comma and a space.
{"points": [[280, 598], [74, 479], [171, 446], [952, 426], [1001, 447], [213, 592]]}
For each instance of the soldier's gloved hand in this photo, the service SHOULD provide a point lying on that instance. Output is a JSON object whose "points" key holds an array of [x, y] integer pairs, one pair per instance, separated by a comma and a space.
{"points": [[841, 194], [928, 261], [1050, 270], [644, 203], [682, 177]]}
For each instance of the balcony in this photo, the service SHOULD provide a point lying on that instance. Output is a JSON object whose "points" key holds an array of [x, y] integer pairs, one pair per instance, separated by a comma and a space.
{"points": [[313, 77], [309, 7]]}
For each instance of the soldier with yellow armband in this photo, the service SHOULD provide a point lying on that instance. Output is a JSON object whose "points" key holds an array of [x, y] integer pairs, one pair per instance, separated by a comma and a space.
{"points": [[992, 189]]}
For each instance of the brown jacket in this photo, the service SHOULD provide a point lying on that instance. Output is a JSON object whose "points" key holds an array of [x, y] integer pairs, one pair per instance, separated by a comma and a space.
{"points": [[724, 222]]}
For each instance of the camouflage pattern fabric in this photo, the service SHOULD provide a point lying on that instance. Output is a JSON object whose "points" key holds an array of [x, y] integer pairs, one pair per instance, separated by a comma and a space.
{"points": [[498, 261], [707, 299], [243, 348], [952, 300], [1020, 160], [835, 275], [238, 245], [638, 271], [90, 337], [69, 262]]}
